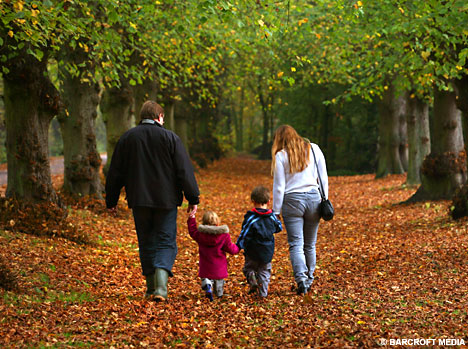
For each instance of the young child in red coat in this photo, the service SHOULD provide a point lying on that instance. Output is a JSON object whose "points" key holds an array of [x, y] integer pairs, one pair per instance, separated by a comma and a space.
{"points": [[214, 242]]}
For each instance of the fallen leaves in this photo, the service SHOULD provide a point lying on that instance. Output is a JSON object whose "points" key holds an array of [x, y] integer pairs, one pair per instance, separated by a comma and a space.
{"points": [[384, 271]]}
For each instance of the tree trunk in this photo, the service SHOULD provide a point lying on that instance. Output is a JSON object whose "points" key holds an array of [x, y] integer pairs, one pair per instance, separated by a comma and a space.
{"points": [[31, 101], [181, 131], [403, 146], [82, 160], [389, 161], [170, 117], [239, 123], [265, 151], [271, 102], [116, 108], [461, 88], [460, 199], [444, 169], [324, 130], [419, 141]]}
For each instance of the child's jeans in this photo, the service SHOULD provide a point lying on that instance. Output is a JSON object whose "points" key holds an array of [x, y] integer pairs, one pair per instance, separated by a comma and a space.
{"points": [[261, 271], [218, 286]]}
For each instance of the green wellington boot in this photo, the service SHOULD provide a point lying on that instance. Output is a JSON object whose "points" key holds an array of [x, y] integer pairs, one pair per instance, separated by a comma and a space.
{"points": [[161, 275], [150, 285]]}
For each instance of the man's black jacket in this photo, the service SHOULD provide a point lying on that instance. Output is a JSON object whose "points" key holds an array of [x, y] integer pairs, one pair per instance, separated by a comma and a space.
{"points": [[153, 166]]}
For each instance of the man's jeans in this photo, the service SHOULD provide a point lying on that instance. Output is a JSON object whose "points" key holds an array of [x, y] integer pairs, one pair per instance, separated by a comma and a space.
{"points": [[301, 218], [157, 231]]}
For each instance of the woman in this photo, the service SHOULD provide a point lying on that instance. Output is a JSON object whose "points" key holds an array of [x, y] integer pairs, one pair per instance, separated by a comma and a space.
{"points": [[296, 196]]}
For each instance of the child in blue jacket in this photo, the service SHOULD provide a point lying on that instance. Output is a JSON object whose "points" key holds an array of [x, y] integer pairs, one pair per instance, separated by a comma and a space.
{"points": [[258, 241]]}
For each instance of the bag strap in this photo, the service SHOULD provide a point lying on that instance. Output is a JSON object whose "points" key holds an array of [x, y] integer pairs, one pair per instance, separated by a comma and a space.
{"points": [[322, 194]]}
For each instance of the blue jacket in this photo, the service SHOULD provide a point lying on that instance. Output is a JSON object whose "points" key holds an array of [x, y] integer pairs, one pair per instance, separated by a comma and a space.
{"points": [[256, 237]]}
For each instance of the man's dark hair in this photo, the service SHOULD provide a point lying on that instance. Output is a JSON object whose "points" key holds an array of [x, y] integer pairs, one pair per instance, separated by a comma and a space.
{"points": [[150, 110], [260, 195]]}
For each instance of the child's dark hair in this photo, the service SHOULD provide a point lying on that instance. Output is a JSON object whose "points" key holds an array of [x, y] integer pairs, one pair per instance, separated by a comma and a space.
{"points": [[260, 195]]}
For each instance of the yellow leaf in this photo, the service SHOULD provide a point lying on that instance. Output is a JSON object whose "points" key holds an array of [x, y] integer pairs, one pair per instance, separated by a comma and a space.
{"points": [[280, 74], [293, 69], [10, 33], [18, 6]]}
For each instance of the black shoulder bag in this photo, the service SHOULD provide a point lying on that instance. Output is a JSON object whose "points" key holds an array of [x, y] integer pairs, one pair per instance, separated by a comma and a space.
{"points": [[326, 209]]}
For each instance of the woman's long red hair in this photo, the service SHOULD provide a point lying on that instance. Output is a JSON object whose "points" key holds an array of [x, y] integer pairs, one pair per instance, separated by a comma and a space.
{"points": [[297, 148]]}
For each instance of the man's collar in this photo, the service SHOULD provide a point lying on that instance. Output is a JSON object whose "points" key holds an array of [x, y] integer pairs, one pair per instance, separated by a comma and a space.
{"points": [[150, 121]]}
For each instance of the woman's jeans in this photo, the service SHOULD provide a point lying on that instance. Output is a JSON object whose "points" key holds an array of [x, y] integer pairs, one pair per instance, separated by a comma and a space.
{"points": [[301, 218]]}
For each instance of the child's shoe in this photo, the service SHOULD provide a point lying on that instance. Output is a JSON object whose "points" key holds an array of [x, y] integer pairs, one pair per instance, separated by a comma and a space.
{"points": [[252, 280], [209, 292]]}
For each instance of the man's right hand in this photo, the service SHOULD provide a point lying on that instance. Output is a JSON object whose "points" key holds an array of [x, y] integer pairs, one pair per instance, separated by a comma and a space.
{"points": [[191, 210]]}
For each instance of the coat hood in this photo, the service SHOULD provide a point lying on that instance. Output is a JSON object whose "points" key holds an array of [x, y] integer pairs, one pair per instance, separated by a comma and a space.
{"points": [[213, 229]]}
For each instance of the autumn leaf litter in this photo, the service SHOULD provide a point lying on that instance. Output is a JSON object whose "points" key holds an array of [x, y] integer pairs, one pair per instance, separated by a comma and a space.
{"points": [[383, 271]]}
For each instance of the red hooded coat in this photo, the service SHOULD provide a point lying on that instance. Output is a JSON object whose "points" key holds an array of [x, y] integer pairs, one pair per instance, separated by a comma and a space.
{"points": [[213, 243]]}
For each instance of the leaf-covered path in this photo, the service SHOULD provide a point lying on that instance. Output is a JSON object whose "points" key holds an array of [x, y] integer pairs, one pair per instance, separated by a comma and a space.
{"points": [[384, 271]]}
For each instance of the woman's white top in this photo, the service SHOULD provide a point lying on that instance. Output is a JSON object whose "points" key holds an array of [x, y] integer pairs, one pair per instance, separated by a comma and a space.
{"points": [[299, 182]]}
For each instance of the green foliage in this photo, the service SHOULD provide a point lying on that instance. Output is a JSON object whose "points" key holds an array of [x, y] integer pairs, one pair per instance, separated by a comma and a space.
{"points": [[346, 131], [202, 53], [366, 44]]}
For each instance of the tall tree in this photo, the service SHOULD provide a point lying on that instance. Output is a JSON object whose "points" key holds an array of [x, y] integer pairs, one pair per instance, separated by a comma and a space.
{"points": [[390, 111], [444, 169], [117, 112], [419, 144], [81, 97], [29, 34], [31, 102]]}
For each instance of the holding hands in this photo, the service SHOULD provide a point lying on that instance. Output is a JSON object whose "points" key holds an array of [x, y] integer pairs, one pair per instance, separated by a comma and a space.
{"points": [[192, 210]]}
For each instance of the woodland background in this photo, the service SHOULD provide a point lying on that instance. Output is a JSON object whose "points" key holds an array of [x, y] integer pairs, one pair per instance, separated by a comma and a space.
{"points": [[381, 86]]}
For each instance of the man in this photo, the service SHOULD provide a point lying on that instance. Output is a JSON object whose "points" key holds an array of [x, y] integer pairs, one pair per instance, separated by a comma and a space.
{"points": [[153, 166]]}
